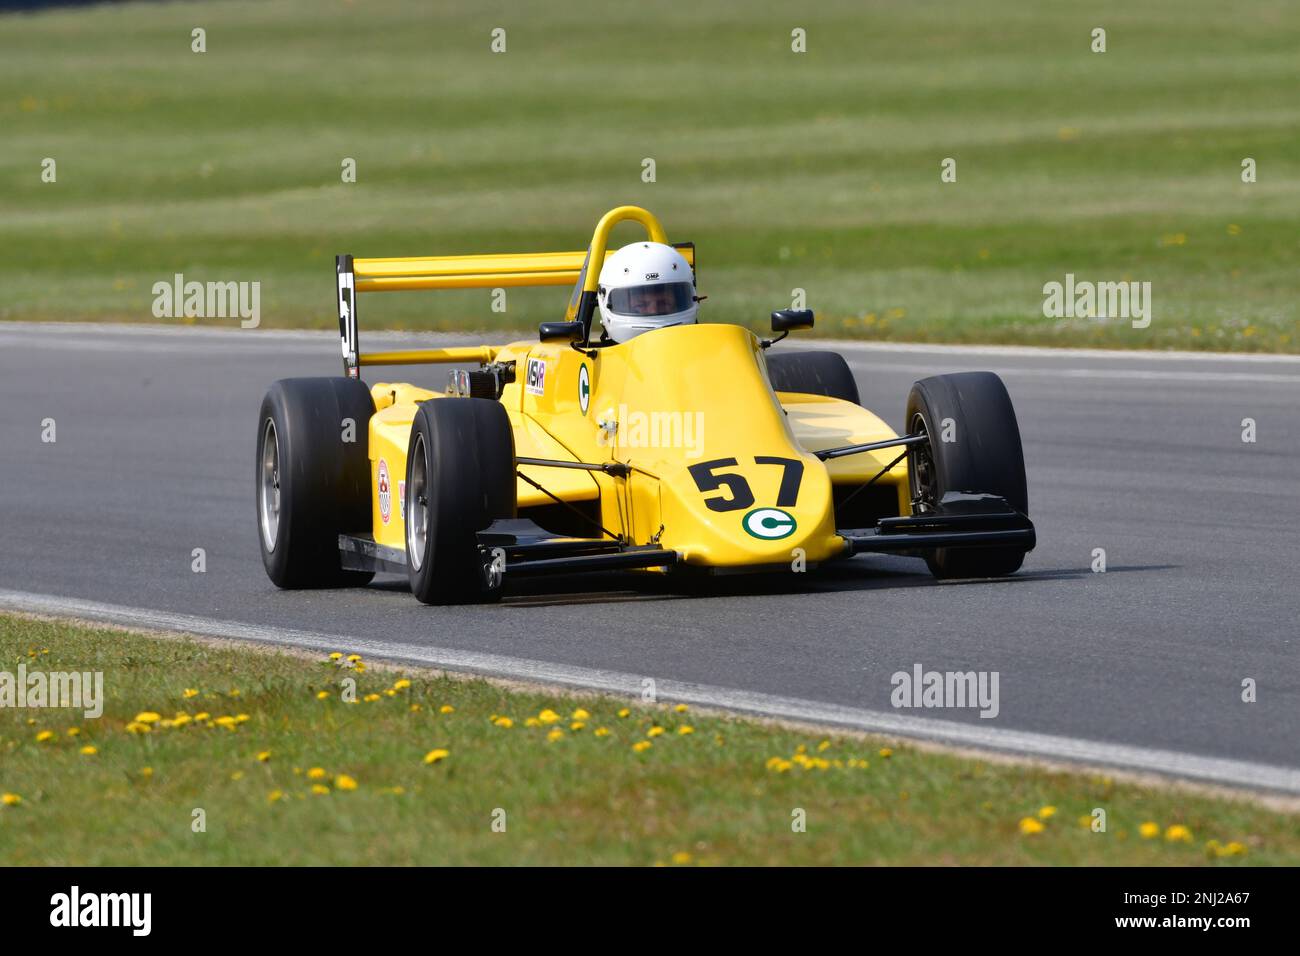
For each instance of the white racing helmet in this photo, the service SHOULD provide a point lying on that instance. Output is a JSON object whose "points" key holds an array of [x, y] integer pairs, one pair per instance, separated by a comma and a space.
{"points": [[645, 286]]}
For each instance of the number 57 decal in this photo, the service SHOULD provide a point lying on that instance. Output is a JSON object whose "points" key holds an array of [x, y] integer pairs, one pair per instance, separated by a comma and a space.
{"points": [[738, 496]]}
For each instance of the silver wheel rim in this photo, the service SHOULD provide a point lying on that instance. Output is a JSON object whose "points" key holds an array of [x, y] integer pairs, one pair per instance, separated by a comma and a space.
{"points": [[920, 468], [268, 496], [417, 506]]}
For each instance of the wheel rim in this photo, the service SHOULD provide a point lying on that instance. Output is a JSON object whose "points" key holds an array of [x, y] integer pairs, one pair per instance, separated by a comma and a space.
{"points": [[268, 497], [417, 506], [920, 468]]}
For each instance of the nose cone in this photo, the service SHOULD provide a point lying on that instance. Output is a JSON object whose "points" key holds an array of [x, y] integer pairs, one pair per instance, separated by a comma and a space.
{"points": [[767, 509], [741, 490]]}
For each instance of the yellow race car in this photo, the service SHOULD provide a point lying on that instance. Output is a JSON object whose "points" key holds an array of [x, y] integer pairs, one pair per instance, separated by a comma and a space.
{"points": [[660, 444]]}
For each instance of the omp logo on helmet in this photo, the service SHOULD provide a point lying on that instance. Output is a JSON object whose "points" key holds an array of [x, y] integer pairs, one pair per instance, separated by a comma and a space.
{"points": [[770, 524], [385, 492], [651, 275], [535, 381]]}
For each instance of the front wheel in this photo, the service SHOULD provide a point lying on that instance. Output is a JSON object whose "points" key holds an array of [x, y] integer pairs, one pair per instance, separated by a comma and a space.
{"points": [[973, 448], [460, 477]]}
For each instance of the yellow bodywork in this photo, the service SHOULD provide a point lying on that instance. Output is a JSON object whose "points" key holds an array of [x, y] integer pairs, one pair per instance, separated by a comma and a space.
{"points": [[688, 408]]}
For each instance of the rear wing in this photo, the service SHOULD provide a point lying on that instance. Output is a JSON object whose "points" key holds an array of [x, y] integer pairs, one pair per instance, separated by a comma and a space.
{"points": [[521, 270]]}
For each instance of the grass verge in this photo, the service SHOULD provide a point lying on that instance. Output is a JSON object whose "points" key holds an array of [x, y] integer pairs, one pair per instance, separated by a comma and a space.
{"points": [[263, 749]]}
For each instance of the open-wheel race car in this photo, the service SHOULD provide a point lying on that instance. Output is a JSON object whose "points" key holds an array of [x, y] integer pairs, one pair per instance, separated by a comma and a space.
{"points": [[655, 443]]}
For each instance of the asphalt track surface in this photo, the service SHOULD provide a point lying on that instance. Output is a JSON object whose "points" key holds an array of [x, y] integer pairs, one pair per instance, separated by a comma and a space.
{"points": [[1142, 455]]}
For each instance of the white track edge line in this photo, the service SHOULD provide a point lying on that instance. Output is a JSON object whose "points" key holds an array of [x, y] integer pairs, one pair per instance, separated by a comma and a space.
{"points": [[497, 335], [1218, 770]]}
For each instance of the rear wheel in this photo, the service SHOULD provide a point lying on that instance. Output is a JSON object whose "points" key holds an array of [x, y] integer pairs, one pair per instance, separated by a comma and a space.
{"points": [[813, 373], [460, 477], [974, 448], [312, 484]]}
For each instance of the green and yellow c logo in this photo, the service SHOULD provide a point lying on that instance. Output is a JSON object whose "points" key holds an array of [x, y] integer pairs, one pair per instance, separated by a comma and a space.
{"points": [[770, 524]]}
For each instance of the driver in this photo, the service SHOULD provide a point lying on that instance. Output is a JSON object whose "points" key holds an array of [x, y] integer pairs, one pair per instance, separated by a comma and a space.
{"points": [[645, 286]]}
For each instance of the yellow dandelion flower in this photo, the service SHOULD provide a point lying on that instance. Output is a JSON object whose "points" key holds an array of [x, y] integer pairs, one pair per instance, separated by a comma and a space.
{"points": [[624, 712], [577, 725], [359, 667], [415, 708], [180, 720], [264, 756], [580, 714], [548, 716], [190, 692], [654, 731], [44, 735], [319, 789], [886, 753], [685, 729], [1030, 826], [10, 799], [1234, 849], [390, 693], [1178, 834], [681, 858], [555, 734], [681, 708], [146, 771], [226, 721], [316, 773], [275, 796], [779, 764], [237, 775], [370, 698], [402, 684], [202, 716], [532, 722], [89, 750], [147, 717], [234, 692], [433, 756], [135, 727], [336, 656], [353, 658], [601, 732], [1149, 830], [1046, 812], [242, 718], [641, 746], [823, 746], [1085, 821], [504, 722], [74, 731], [446, 709], [344, 782]]}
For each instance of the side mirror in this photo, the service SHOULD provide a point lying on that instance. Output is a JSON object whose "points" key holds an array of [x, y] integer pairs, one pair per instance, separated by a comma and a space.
{"points": [[562, 331], [789, 320]]}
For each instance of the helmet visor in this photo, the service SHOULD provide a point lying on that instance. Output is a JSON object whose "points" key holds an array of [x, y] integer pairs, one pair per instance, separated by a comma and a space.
{"points": [[668, 298]]}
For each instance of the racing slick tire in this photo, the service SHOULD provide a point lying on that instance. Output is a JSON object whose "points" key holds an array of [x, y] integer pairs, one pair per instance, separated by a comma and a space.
{"points": [[312, 484], [460, 477], [984, 457], [813, 373]]}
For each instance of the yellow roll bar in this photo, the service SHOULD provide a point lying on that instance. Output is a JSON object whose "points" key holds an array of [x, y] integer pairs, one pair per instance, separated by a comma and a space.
{"points": [[478, 272]]}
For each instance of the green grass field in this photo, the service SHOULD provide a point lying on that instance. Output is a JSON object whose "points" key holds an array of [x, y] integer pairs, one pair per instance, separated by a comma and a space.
{"points": [[420, 766], [816, 170]]}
